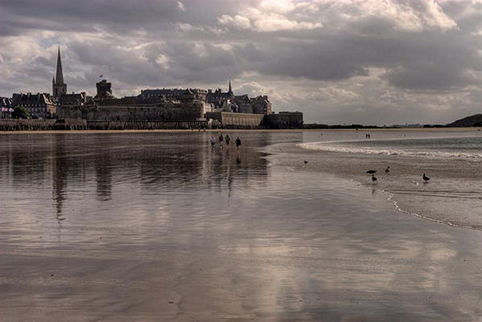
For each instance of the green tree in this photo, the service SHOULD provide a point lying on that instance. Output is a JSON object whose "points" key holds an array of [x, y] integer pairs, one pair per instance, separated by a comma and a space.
{"points": [[20, 112]]}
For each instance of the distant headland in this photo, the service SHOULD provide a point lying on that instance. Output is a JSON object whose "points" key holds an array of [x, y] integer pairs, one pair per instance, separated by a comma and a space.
{"points": [[469, 121]]}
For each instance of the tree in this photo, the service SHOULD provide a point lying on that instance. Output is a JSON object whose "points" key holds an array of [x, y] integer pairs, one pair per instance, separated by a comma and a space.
{"points": [[20, 112]]}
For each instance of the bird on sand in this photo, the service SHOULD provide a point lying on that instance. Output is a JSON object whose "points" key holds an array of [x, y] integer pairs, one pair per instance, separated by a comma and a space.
{"points": [[374, 179], [387, 170], [425, 178], [371, 171], [306, 161]]}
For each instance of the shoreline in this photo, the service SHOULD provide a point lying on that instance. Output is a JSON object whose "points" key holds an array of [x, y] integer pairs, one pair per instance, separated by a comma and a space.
{"points": [[454, 181], [428, 130]]}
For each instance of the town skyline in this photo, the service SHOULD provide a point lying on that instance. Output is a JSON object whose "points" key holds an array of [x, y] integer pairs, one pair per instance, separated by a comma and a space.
{"points": [[59, 87], [337, 62]]}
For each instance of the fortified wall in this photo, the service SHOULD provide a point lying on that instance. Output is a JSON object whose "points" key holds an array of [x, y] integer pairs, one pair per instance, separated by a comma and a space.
{"points": [[231, 120], [151, 105], [135, 109], [192, 112], [42, 125], [284, 120], [78, 124]]}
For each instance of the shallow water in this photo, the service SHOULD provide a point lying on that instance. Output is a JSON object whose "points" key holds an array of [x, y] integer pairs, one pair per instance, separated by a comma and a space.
{"points": [[452, 159], [455, 148], [159, 226]]}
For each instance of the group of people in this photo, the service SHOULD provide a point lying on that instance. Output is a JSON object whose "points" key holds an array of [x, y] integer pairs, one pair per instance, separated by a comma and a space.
{"points": [[223, 139]]}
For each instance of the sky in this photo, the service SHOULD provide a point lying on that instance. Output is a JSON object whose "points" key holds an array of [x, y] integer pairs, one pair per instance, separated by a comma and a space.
{"points": [[337, 61]]}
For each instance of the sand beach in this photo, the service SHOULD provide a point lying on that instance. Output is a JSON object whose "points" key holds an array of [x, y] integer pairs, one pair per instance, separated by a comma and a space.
{"points": [[161, 227]]}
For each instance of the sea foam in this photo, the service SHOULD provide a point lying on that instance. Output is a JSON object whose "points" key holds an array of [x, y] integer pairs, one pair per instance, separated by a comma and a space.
{"points": [[346, 148]]}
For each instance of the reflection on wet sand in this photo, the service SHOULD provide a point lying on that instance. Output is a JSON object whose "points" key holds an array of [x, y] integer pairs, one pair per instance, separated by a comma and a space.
{"points": [[154, 161], [162, 227], [60, 172]]}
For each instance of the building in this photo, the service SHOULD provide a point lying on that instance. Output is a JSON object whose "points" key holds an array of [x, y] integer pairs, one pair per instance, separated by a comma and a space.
{"points": [[220, 99], [40, 105], [168, 105], [5, 108], [151, 105], [165, 94], [284, 120], [104, 90], [261, 105], [59, 87], [228, 102], [74, 99]]}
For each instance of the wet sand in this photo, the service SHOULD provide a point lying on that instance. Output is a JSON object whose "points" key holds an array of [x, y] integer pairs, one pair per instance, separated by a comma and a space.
{"points": [[453, 196], [155, 228]]}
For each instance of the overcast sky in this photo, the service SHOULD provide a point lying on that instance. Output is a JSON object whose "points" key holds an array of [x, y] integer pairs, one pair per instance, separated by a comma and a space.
{"points": [[338, 61]]}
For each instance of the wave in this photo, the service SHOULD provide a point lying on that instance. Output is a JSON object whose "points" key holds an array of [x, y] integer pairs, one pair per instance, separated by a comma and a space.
{"points": [[333, 147]]}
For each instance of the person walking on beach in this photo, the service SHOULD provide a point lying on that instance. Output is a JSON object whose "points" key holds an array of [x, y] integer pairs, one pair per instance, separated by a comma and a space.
{"points": [[227, 139], [238, 142], [213, 141]]}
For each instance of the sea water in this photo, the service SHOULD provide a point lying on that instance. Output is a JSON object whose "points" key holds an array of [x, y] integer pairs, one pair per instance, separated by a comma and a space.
{"points": [[451, 159], [465, 148]]}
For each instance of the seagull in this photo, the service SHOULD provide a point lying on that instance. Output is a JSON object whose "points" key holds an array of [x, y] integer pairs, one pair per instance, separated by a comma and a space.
{"points": [[374, 179], [371, 171], [387, 170], [306, 161], [425, 178]]}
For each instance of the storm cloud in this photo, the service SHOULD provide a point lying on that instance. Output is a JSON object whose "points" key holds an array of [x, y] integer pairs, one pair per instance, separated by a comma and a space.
{"points": [[338, 61]]}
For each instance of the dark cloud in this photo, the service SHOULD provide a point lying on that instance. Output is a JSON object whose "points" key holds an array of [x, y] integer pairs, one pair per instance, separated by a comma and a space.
{"points": [[72, 15], [119, 16]]}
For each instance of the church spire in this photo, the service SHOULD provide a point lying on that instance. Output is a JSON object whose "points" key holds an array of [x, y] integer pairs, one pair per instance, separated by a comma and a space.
{"points": [[59, 88], [230, 91], [59, 75]]}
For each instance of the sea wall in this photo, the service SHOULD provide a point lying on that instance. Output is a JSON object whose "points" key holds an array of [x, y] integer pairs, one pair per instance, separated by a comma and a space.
{"points": [[170, 112], [237, 120], [76, 124], [284, 120], [146, 125], [214, 120], [42, 125]]}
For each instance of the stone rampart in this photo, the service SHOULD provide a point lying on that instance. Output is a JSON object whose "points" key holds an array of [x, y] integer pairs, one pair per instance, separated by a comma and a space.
{"points": [[168, 112], [237, 120], [284, 120], [42, 125], [76, 124], [146, 125]]}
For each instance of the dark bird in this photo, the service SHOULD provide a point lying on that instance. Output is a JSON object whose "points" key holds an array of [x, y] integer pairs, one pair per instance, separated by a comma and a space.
{"points": [[306, 161], [374, 179], [387, 170], [371, 171], [425, 178]]}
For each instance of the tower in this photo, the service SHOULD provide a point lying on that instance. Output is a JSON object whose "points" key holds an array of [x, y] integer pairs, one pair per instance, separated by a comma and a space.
{"points": [[230, 91], [104, 90], [59, 88]]}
